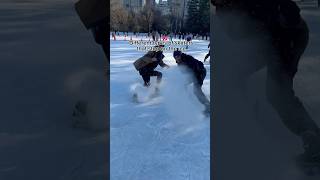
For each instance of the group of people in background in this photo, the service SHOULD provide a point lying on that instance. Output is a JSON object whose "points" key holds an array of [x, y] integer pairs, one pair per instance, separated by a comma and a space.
{"points": [[164, 36]]}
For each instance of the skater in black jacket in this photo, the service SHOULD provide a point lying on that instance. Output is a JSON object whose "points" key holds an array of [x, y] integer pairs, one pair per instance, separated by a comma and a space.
{"points": [[289, 35], [198, 71]]}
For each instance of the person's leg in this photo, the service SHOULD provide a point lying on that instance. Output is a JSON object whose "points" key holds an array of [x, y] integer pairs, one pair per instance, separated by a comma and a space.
{"points": [[282, 97], [145, 76], [200, 95], [198, 91], [146, 79], [207, 56], [280, 92], [158, 74], [159, 78]]}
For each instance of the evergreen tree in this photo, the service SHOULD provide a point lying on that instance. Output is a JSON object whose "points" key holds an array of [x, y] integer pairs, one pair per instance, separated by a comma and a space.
{"points": [[204, 10], [193, 19], [198, 19]]}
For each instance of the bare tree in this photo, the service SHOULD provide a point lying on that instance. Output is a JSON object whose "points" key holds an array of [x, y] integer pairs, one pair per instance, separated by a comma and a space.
{"points": [[119, 16], [147, 17]]}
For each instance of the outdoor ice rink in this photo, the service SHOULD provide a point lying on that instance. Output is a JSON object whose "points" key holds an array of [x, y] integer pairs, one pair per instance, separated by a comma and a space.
{"points": [[164, 138], [43, 43]]}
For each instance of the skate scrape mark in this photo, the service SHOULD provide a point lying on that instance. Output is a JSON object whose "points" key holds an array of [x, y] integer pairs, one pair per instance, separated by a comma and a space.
{"points": [[197, 133], [151, 101], [182, 106]]}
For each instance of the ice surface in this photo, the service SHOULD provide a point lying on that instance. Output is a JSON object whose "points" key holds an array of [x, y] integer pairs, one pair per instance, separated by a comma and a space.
{"points": [[164, 138]]}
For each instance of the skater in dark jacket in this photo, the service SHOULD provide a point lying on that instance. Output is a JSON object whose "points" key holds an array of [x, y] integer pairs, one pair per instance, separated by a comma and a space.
{"points": [[290, 35], [198, 71], [147, 64]]}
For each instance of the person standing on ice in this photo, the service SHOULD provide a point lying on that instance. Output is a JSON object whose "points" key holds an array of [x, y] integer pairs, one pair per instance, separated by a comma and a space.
{"points": [[198, 72], [153, 34], [171, 36], [207, 55], [188, 39], [147, 64], [289, 34]]}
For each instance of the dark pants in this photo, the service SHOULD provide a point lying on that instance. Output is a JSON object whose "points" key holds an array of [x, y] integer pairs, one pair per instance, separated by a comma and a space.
{"points": [[198, 82], [281, 71], [207, 56], [147, 73]]}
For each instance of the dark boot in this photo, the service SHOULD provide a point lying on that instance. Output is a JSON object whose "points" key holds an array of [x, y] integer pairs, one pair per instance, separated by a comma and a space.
{"points": [[146, 84]]}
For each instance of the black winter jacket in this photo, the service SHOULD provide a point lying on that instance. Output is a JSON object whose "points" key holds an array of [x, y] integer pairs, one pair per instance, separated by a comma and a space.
{"points": [[193, 64]]}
